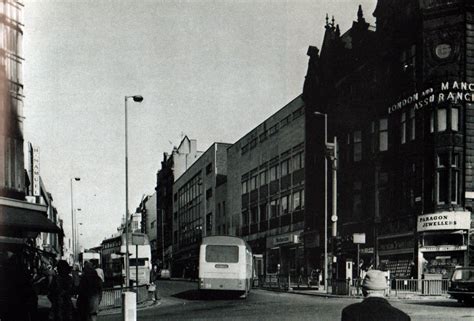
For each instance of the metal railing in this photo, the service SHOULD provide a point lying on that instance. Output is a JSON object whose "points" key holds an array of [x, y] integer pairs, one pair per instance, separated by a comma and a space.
{"points": [[112, 297], [420, 286]]}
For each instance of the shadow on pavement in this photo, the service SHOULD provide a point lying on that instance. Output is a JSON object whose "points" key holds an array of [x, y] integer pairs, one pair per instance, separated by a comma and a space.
{"points": [[195, 295], [452, 304]]}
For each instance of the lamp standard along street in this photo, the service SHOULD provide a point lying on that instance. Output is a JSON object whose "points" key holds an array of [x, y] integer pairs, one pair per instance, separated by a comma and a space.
{"points": [[138, 99], [73, 221], [331, 153]]}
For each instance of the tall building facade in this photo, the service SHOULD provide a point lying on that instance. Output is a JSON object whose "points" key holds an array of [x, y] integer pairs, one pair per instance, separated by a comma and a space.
{"points": [[399, 99], [195, 205], [173, 166], [266, 189]]}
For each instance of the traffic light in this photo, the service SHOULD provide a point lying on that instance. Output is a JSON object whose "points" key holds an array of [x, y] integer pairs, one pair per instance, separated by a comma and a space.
{"points": [[338, 246]]}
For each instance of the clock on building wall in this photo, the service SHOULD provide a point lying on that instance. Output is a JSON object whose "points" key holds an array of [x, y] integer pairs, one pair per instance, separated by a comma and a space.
{"points": [[443, 51]]}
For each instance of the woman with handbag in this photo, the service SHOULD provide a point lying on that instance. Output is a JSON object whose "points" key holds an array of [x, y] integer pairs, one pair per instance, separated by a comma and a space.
{"points": [[152, 290]]}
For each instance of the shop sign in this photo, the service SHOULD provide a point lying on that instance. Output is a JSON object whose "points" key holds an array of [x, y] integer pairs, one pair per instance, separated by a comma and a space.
{"points": [[448, 91], [443, 248], [367, 250], [284, 238], [36, 172], [444, 221], [399, 243]]}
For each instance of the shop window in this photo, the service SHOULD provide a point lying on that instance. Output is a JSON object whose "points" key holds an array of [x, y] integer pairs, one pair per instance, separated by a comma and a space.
{"points": [[284, 204], [403, 128], [357, 146], [273, 173], [263, 177], [383, 134], [244, 187], [285, 167], [274, 209]]}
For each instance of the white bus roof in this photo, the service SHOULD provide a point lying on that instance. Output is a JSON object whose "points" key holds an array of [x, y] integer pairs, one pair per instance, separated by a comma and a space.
{"points": [[223, 240]]}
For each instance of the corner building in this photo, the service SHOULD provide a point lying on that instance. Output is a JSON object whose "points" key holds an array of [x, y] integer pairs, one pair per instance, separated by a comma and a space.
{"points": [[400, 100], [266, 190]]}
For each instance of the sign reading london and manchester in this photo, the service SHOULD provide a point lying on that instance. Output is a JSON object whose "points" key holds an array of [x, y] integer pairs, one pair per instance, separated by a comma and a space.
{"points": [[444, 221], [449, 91]]}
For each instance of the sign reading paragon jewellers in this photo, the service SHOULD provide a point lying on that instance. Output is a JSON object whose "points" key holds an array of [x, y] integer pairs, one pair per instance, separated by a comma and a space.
{"points": [[455, 91], [444, 221]]}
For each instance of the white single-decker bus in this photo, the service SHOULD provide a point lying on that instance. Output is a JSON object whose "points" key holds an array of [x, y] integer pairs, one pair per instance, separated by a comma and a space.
{"points": [[225, 264]]}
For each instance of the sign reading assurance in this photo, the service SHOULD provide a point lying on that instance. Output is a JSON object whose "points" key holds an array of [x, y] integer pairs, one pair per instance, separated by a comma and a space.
{"points": [[444, 221]]}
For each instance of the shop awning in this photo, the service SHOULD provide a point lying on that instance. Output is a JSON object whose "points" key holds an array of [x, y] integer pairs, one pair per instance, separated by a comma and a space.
{"points": [[21, 217]]}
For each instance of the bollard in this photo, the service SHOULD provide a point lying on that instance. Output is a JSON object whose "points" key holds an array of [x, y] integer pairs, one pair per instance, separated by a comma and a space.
{"points": [[129, 306]]}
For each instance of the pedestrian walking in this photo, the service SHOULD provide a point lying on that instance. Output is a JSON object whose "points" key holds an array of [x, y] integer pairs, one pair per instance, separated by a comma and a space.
{"points": [[60, 293], [374, 307], [89, 294], [152, 289], [76, 278], [300, 276]]}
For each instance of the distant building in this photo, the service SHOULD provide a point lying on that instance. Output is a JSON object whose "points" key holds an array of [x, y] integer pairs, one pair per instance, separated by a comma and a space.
{"points": [[172, 166], [194, 207], [149, 222]]}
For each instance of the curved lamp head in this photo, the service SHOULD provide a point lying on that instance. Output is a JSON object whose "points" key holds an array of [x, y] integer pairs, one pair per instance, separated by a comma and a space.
{"points": [[77, 178], [137, 98]]}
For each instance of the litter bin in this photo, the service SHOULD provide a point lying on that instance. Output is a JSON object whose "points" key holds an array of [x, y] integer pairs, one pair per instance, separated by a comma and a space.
{"points": [[432, 284]]}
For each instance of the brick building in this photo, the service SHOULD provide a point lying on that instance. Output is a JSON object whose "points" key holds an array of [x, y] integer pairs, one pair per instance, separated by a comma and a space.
{"points": [[399, 98]]}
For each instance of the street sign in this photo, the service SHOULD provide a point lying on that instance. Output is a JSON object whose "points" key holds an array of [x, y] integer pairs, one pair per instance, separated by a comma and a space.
{"points": [[358, 238], [138, 239]]}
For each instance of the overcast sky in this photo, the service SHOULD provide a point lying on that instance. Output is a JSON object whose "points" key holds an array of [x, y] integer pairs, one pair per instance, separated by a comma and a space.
{"points": [[212, 70]]}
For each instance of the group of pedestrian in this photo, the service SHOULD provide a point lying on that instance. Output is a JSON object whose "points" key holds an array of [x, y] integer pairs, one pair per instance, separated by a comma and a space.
{"points": [[66, 283]]}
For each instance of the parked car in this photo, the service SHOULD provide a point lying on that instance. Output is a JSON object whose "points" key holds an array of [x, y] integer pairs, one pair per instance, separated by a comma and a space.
{"points": [[461, 285], [165, 274]]}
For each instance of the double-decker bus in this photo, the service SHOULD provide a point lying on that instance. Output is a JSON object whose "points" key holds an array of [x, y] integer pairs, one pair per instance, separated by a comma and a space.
{"points": [[113, 259], [225, 264]]}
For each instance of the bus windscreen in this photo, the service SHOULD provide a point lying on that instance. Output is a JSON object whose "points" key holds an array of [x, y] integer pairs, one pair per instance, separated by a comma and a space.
{"points": [[222, 254]]}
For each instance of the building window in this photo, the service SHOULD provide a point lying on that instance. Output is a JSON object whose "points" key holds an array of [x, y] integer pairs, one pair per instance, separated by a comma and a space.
{"points": [[403, 128], [245, 218], [263, 212], [253, 182], [209, 169], [298, 200], [447, 178], [412, 123], [244, 187], [273, 173], [284, 204], [454, 119], [357, 200], [209, 193], [254, 214], [442, 119], [383, 134], [357, 146], [263, 177], [209, 222], [273, 130], [274, 209], [263, 136], [285, 167], [245, 149], [298, 161]]}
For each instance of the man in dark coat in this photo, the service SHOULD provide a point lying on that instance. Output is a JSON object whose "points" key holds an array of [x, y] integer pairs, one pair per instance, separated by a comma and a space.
{"points": [[90, 294], [374, 307]]}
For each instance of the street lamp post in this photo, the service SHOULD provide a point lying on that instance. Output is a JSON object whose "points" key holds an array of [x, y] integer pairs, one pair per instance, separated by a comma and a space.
{"points": [[331, 152], [136, 98], [73, 235], [76, 237]]}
